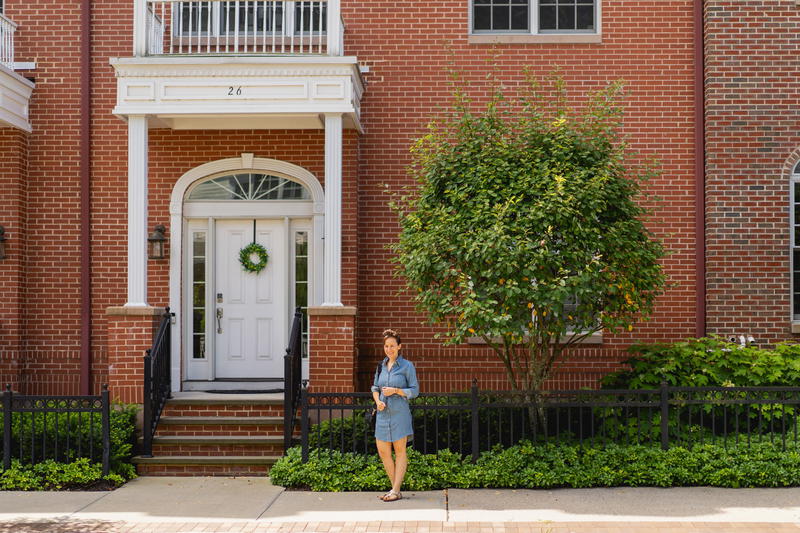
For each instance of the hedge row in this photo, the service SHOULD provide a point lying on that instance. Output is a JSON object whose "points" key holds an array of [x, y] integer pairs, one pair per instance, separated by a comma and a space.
{"points": [[550, 466]]}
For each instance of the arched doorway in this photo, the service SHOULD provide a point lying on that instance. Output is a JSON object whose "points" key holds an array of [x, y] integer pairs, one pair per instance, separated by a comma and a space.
{"points": [[234, 324]]}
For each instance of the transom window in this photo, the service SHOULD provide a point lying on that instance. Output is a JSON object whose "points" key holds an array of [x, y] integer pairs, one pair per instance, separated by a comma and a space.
{"points": [[795, 241], [534, 16], [248, 186]]}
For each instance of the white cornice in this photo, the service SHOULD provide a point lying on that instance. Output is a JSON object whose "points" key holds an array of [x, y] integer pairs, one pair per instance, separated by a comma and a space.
{"points": [[15, 95]]}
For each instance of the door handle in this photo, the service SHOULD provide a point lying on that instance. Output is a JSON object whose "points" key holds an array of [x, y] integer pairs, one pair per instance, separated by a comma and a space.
{"points": [[219, 320]]}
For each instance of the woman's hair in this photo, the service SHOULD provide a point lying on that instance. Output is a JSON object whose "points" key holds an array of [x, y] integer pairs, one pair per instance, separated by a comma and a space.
{"points": [[391, 334]]}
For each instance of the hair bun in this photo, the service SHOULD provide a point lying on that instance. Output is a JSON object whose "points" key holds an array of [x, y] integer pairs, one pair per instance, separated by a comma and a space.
{"points": [[389, 333]]}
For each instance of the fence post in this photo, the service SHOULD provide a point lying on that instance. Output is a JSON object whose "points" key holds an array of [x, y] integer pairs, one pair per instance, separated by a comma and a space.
{"points": [[288, 401], [664, 416], [475, 436], [147, 415], [304, 422], [106, 429], [7, 427]]}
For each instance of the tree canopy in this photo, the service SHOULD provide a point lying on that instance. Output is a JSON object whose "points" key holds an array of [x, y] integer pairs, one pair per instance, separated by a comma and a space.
{"points": [[525, 228]]}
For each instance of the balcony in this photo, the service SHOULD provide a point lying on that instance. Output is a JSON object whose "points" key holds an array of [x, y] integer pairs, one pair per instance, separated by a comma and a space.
{"points": [[15, 91], [242, 64]]}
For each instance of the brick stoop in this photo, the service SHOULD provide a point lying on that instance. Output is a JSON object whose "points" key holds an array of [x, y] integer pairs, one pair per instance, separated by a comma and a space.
{"points": [[202, 434]]}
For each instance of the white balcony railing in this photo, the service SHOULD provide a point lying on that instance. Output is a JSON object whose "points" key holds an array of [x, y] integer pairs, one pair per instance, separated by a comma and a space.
{"points": [[212, 27], [7, 29]]}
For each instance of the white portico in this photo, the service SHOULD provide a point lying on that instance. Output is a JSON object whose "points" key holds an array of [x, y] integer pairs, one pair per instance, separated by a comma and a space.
{"points": [[245, 65]]}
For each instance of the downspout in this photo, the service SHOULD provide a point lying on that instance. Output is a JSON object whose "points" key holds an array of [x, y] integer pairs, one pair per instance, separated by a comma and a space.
{"points": [[699, 170], [85, 202]]}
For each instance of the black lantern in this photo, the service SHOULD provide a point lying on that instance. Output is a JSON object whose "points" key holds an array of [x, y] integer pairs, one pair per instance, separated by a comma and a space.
{"points": [[156, 243], [2, 243]]}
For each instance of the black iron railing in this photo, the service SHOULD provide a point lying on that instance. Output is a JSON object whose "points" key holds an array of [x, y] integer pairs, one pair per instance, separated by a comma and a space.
{"points": [[157, 386], [292, 376], [61, 428], [476, 421]]}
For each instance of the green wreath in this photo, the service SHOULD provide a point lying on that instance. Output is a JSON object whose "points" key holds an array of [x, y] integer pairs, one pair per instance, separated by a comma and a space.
{"points": [[246, 257]]}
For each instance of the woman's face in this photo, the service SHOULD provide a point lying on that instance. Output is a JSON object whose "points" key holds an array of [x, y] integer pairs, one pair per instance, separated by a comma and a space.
{"points": [[391, 348]]}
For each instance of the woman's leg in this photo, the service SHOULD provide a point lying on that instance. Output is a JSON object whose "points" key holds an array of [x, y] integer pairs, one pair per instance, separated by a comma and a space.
{"points": [[400, 463], [385, 453]]}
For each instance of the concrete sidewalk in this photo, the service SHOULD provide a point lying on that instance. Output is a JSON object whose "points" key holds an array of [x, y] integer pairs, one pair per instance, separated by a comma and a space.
{"points": [[253, 504]]}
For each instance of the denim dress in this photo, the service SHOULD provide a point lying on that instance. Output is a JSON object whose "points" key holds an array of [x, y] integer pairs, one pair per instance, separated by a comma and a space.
{"points": [[394, 422]]}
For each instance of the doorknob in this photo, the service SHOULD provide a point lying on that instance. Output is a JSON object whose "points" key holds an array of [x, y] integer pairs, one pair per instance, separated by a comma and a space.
{"points": [[219, 320]]}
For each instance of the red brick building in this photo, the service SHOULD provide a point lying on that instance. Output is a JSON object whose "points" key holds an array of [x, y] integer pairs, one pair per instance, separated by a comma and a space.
{"points": [[285, 122]]}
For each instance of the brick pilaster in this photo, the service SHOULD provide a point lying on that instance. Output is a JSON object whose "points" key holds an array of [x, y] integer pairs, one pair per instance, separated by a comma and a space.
{"points": [[130, 334], [332, 355]]}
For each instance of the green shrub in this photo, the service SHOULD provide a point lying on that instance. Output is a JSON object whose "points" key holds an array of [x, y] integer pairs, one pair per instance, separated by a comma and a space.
{"points": [[707, 362], [550, 466], [30, 430], [50, 475]]}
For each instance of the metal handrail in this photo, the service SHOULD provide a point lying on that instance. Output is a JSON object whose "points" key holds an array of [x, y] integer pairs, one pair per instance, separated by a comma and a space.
{"points": [[292, 376], [157, 381]]}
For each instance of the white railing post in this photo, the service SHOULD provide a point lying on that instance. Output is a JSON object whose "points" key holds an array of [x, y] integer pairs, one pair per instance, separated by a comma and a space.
{"points": [[334, 28], [140, 28], [7, 29]]}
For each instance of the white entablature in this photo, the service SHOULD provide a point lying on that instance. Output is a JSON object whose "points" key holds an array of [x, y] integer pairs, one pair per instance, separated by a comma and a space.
{"points": [[239, 92]]}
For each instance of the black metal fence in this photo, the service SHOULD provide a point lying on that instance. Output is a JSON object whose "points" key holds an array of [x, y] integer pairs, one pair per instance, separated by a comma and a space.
{"points": [[469, 423], [157, 378], [292, 378], [62, 428]]}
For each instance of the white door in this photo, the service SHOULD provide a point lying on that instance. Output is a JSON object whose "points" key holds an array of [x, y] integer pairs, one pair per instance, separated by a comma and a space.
{"points": [[250, 309]]}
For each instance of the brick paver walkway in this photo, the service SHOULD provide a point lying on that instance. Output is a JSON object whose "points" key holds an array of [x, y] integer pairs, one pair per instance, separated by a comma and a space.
{"points": [[98, 526]]}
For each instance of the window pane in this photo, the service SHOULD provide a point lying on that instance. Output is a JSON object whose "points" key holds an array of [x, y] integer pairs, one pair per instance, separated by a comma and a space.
{"points": [[500, 18], [198, 346], [199, 295], [566, 17], [547, 18], [585, 18], [519, 18], [482, 18], [249, 187], [199, 322]]}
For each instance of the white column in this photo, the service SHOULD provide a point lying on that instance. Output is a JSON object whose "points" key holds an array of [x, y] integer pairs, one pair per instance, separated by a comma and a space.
{"points": [[137, 211], [333, 210], [140, 28], [334, 29]]}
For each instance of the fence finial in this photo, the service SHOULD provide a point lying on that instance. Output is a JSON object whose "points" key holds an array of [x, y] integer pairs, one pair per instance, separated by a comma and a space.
{"points": [[8, 387]]}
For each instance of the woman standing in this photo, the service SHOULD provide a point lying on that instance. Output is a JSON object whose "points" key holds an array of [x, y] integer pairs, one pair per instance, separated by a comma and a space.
{"points": [[394, 385]]}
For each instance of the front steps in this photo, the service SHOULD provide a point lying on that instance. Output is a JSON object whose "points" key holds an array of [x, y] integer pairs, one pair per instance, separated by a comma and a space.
{"points": [[202, 434]]}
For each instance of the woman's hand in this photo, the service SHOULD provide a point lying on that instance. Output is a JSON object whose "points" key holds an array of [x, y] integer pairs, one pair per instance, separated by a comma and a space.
{"points": [[390, 391], [380, 405]]}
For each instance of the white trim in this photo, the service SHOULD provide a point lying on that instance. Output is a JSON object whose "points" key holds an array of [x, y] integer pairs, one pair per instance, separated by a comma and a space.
{"points": [[794, 182], [177, 215], [137, 211], [333, 210]]}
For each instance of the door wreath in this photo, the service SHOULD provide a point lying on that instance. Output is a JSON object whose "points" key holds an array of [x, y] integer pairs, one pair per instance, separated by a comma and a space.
{"points": [[251, 251]]}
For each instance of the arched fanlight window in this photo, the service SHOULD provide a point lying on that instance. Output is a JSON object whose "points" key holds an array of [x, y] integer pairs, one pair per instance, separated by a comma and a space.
{"points": [[248, 186]]}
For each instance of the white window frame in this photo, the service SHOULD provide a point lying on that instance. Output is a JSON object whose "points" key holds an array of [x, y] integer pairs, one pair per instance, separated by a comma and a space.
{"points": [[535, 35], [794, 245]]}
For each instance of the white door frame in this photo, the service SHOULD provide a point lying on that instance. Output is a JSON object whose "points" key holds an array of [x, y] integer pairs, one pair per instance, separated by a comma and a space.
{"points": [[245, 163]]}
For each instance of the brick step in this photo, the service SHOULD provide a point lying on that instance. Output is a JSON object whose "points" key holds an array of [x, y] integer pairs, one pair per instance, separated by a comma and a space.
{"points": [[230, 409], [205, 447], [220, 426], [177, 465]]}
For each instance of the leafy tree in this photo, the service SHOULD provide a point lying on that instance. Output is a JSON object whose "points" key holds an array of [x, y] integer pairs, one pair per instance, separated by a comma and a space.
{"points": [[525, 229]]}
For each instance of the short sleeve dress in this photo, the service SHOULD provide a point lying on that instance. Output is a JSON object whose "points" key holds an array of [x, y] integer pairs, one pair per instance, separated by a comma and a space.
{"points": [[394, 422]]}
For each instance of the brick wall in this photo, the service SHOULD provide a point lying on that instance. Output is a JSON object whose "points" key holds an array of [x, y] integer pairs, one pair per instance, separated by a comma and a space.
{"points": [[652, 49], [752, 142], [48, 33], [13, 199], [408, 56]]}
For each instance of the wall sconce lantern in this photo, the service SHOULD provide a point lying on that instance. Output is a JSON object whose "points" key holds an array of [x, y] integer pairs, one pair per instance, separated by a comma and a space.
{"points": [[156, 243], [2, 243]]}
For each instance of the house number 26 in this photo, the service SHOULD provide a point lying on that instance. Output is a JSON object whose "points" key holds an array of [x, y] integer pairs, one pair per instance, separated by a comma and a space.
{"points": [[234, 91]]}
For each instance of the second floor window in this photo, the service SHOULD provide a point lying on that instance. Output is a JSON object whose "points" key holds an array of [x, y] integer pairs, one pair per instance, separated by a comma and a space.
{"points": [[534, 16]]}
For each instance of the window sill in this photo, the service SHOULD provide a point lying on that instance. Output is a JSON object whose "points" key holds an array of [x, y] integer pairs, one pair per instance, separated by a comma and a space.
{"points": [[595, 338], [540, 38]]}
